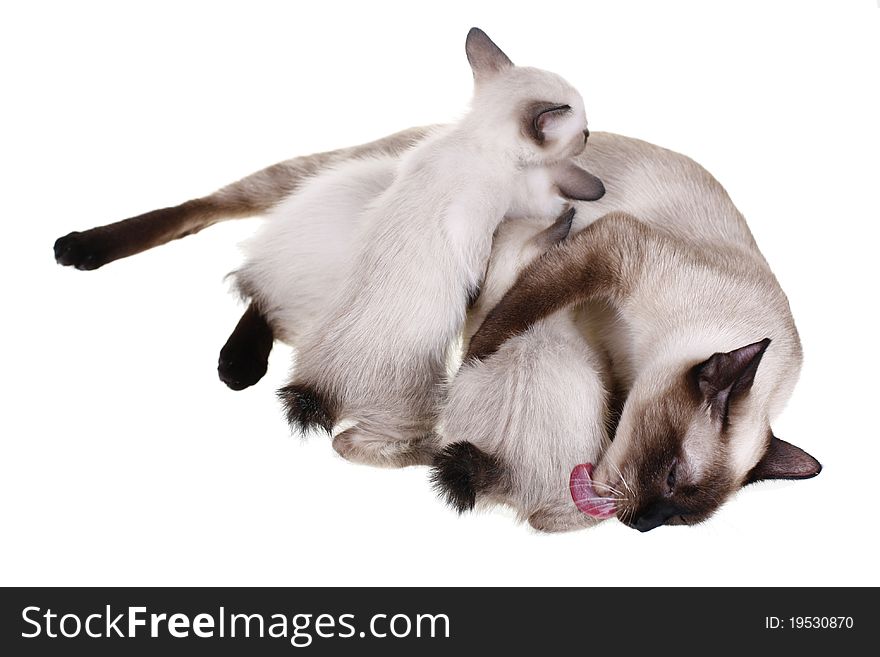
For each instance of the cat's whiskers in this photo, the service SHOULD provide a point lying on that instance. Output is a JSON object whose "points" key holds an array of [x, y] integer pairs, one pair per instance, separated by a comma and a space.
{"points": [[596, 499], [607, 487], [616, 497], [623, 479]]}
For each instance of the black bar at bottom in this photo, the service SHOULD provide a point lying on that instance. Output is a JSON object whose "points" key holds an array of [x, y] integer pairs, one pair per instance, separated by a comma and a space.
{"points": [[436, 621]]}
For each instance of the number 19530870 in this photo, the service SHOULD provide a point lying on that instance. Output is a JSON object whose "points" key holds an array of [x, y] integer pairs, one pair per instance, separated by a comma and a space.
{"points": [[809, 623]]}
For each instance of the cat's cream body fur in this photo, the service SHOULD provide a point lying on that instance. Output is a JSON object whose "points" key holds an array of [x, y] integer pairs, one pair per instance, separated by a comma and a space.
{"points": [[298, 259]]}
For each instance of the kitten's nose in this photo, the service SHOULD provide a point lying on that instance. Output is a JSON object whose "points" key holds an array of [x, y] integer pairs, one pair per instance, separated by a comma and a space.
{"points": [[586, 135]]}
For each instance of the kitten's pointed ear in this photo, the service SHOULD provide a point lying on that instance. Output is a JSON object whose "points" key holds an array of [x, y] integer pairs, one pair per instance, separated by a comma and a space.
{"points": [[724, 377], [486, 59], [557, 231], [783, 460], [577, 184]]}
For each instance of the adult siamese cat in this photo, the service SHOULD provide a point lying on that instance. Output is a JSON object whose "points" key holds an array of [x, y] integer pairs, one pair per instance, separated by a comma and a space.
{"points": [[521, 418], [377, 354], [698, 330]]}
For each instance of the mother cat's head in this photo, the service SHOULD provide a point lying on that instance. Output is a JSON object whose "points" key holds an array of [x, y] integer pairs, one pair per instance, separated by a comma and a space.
{"points": [[688, 440], [540, 113]]}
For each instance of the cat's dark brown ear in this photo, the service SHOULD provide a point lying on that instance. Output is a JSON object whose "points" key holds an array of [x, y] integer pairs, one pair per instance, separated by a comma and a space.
{"points": [[577, 184], [556, 232], [486, 59], [725, 377], [783, 460]]}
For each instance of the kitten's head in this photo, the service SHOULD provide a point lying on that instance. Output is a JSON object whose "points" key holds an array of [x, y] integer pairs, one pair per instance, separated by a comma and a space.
{"points": [[677, 453], [538, 111]]}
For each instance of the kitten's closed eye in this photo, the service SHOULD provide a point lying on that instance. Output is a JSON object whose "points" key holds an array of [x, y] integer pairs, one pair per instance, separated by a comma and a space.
{"points": [[550, 115], [542, 118]]}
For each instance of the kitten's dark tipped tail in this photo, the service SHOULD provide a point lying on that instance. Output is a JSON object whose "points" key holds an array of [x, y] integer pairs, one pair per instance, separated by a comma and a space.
{"points": [[307, 409], [461, 471]]}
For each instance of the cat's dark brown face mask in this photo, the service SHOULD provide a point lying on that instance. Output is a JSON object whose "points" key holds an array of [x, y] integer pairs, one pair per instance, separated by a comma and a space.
{"points": [[671, 464]]}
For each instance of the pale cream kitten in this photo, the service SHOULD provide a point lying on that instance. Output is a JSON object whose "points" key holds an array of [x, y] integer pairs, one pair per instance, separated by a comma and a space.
{"points": [[376, 355]]}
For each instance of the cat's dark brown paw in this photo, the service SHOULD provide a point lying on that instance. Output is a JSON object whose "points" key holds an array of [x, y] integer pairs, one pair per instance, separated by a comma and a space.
{"points": [[241, 370], [244, 358], [84, 251]]}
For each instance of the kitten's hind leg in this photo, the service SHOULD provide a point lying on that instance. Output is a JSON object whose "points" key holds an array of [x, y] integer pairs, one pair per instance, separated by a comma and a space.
{"points": [[254, 194], [363, 446], [96, 247], [244, 358]]}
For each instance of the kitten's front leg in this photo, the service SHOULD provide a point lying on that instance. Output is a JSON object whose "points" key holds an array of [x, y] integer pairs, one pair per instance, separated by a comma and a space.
{"points": [[244, 358]]}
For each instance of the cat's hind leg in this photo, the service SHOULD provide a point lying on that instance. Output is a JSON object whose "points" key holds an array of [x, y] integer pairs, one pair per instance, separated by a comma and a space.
{"points": [[244, 358], [252, 195], [94, 248]]}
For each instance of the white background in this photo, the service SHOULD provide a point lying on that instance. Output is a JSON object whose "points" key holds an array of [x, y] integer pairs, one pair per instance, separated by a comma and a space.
{"points": [[125, 461]]}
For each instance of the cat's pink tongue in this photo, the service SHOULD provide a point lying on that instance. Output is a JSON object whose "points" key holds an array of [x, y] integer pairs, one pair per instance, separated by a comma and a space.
{"points": [[584, 495]]}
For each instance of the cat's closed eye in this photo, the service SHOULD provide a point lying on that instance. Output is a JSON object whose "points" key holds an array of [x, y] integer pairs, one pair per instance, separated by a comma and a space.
{"points": [[544, 118], [671, 478]]}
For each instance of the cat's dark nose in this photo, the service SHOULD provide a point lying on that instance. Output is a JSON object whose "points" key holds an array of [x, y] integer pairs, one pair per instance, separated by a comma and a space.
{"points": [[586, 135], [653, 516]]}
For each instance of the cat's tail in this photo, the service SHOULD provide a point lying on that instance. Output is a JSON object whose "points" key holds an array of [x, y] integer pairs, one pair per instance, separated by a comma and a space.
{"points": [[461, 471], [249, 196]]}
